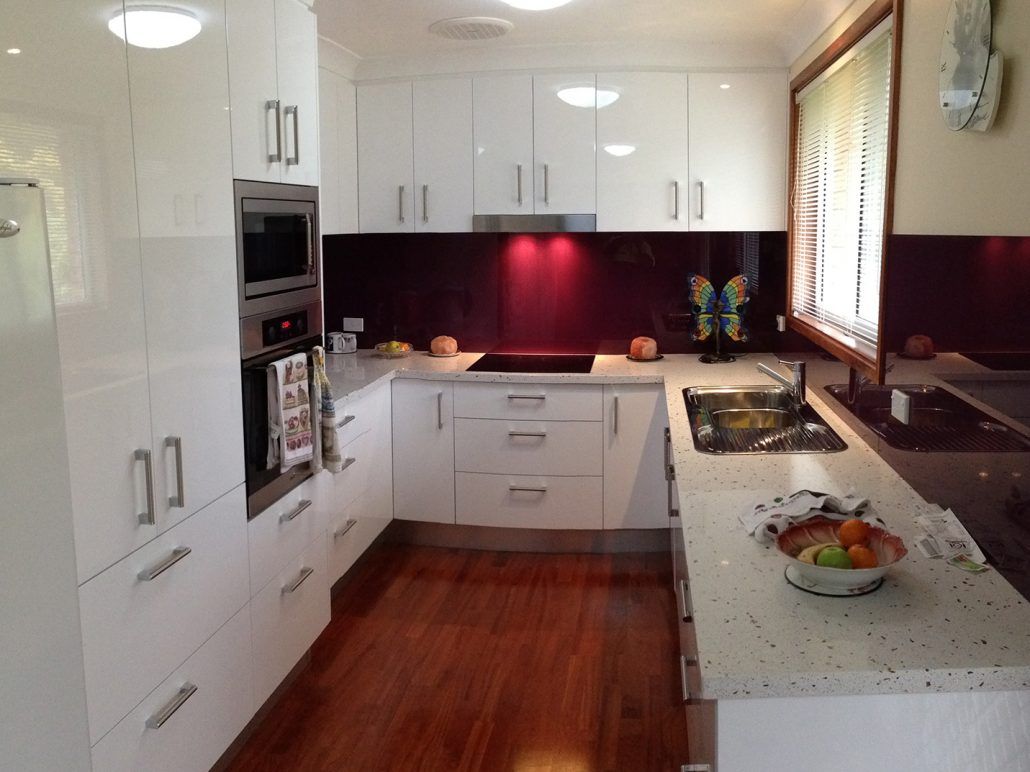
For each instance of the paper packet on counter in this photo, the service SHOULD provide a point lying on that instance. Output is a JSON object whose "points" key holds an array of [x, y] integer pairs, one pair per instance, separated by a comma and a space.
{"points": [[945, 537]]}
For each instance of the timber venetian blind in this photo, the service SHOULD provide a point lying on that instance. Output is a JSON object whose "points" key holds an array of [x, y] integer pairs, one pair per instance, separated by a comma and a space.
{"points": [[839, 193]]}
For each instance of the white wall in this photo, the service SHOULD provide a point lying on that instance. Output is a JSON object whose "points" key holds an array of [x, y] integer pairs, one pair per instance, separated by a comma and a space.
{"points": [[956, 183]]}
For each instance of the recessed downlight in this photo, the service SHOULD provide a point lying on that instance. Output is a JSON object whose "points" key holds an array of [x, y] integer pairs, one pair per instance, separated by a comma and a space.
{"points": [[154, 26], [587, 96], [536, 5], [14, 51], [620, 151], [724, 86]]}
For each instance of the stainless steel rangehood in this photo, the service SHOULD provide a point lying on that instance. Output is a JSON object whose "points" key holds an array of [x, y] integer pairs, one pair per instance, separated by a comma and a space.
{"points": [[534, 223]]}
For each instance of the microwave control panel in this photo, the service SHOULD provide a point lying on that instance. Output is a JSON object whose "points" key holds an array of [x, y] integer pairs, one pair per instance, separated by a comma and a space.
{"points": [[283, 329]]}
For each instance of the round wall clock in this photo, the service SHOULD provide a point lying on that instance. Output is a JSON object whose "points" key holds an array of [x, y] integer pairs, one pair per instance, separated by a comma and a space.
{"points": [[965, 57]]}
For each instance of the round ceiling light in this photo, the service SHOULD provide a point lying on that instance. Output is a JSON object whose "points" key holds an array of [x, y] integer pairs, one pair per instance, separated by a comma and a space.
{"points": [[536, 5], [587, 96], [154, 26]]}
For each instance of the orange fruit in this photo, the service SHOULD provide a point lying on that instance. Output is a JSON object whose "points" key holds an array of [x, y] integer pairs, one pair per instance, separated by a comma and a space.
{"points": [[853, 532], [862, 557]]}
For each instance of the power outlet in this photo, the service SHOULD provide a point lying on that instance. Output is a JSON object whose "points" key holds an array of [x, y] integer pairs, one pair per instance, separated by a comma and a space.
{"points": [[353, 324]]}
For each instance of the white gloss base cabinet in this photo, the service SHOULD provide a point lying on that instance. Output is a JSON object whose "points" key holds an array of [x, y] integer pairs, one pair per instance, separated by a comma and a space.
{"points": [[423, 450], [568, 448], [642, 153], [136, 630], [540, 501], [283, 530], [288, 614], [202, 726], [738, 151], [635, 493]]}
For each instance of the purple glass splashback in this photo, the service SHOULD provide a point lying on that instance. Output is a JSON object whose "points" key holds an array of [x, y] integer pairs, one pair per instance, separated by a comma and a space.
{"points": [[549, 293], [968, 293]]}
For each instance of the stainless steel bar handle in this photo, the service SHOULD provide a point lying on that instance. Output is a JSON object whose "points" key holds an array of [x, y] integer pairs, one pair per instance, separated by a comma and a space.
{"points": [[425, 204], [177, 554], [547, 184], [684, 682], [346, 527], [295, 158], [400, 203], [439, 410], [696, 768], [157, 720], [277, 156], [700, 200], [301, 578], [527, 489], [615, 416], [149, 515], [685, 607], [292, 514], [347, 462], [527, 396], [179, 499], [310, 227], [668, 451], [344, 421], [527, 434], [518, 174], [675, 200]]}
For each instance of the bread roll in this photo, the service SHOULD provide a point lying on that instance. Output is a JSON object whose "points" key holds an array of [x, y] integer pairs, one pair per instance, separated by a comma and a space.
{"points": [[443, 344], [919, 347], [643, 348]]}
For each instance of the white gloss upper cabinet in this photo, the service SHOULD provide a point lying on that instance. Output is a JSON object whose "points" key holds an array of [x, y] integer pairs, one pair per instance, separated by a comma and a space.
{"points": [[337, 153], [182, 145], [563, 145], [442, 112], [273, 74], [738, 151], [503, 119], [296, 37], [642, 153], [385, 158]]}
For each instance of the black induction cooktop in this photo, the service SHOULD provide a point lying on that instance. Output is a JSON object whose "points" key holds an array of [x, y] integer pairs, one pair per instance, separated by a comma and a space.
{"points": [[1014, 360], [533, 363]]}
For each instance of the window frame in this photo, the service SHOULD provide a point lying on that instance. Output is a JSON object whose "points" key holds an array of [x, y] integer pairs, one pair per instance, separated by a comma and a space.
{"points": [[872, 367]]}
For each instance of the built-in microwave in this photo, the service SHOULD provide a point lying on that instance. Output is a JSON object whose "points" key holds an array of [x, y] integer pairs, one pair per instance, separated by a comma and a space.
{"points": [[277, 246]]}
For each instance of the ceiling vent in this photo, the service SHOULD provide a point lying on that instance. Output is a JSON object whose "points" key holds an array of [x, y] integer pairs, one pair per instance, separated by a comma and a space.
{"points": [[471, 28]]}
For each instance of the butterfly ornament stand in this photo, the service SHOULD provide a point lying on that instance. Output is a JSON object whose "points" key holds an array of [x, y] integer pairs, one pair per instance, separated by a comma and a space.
{"points": [[714, 315]]}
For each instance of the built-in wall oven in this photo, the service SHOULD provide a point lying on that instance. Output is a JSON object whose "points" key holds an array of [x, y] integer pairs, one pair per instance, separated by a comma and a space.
{"points": [[277, 246], [266, 338]]}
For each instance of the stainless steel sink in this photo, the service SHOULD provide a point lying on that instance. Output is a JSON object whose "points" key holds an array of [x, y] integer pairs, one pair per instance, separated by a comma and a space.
{"points": [[939, 421], [756, 419]]}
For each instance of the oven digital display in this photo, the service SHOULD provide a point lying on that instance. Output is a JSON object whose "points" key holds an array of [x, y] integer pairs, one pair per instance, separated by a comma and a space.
{"points": [[284, 328]]}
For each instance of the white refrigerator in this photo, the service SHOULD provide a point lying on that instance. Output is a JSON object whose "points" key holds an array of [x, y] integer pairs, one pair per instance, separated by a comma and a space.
{"points": [[42, 686]]}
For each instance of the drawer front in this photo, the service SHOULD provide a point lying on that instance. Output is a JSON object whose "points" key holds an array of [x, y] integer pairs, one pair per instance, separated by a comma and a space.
{"points": [[522, 401], [287, 617], [570, 448], [284, 529], [354, 417], [357, 471], [135, 631], [196, 726], [353, 532], [512, 501]]}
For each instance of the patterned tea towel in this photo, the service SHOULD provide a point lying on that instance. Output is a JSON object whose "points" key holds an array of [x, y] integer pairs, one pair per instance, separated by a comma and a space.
{"points": [[767, 518], [289, 412], [329, 456]]}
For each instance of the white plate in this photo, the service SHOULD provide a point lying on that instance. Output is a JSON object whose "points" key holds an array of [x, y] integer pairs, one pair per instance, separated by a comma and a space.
{"points": [[443, 356], [794, 577]]}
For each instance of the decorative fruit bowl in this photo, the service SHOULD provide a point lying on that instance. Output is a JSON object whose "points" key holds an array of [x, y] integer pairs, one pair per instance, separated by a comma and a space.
{"points": [[887, 548], [394, 349]]}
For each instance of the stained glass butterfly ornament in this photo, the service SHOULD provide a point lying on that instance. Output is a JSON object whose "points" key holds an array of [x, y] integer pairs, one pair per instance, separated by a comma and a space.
{"points": [[715, 314]]}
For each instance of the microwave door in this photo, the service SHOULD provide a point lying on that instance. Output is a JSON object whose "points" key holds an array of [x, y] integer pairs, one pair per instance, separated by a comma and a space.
{"points": [[279, 252]]}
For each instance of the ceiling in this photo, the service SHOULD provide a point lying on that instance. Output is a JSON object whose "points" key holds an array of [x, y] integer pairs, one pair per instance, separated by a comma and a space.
{"points": [[391, 28]]}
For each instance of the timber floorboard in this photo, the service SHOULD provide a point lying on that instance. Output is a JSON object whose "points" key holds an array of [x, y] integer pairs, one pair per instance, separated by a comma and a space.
{"points": [[446, 659]]}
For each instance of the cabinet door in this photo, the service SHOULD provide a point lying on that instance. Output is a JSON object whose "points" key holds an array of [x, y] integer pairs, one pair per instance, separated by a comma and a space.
{"points": [[181, 139], [296, 45], [502, 108], [443, 155], [564, 137], [423, 451], [635, 493], [256, 135], [642, 153], [337, 153], [385, 162], [738, 151]]}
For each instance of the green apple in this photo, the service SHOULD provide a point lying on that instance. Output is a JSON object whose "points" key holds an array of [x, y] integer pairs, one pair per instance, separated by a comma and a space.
{"points": [[394, 347], [834, 557]]}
